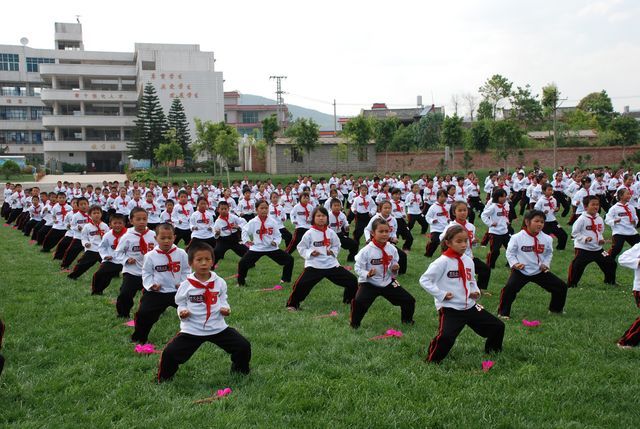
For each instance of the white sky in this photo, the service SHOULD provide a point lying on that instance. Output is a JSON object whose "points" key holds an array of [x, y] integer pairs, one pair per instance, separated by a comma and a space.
{"points": [[360, 52]]}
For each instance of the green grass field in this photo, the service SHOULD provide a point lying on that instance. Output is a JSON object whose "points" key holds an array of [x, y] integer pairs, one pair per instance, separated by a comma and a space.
{"points": [[70, 362]]}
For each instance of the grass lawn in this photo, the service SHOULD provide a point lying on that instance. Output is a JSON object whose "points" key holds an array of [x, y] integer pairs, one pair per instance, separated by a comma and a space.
{"points": [[70, 362]]}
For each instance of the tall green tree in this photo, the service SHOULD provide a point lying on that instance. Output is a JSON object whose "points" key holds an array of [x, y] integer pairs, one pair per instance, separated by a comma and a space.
{"points": [[598, 103], [226, 147], [171, 151], [384, 132], [177, 120], [269, 129], [507, 138], [404, 138], [151, 125], [207, 133], [481, 136], [496, 89], [550, 99], [427, 131], [452, 133], [305, 135], [526, 106], [359, 131], [485, 111]]}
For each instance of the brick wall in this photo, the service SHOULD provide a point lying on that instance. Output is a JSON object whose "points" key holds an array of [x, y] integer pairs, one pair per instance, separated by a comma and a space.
{"points": [[428, 161], [321, 160], [258, 165]]}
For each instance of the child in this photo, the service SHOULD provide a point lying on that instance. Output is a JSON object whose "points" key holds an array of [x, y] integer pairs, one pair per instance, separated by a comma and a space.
{"points": [[578, 198], [413, 203], [167, 215], [58, 227], [121, 203], [201, 222], [384, 212], [47, 217], [339, 224], [91, 237], [78, 221], [154, 210], [202, 307], [460, 210], [587, 233], [35, 215], [450, 280], [437, 217], [63, 244], [377, 266], [181, 217], [16, 203], [400, 216], [301, 219], [622, 219], [262, 236], [549, 206], [226, 228], [363, 208], [319, 248], [529, 255], [137, 242], [163, 270], [247, 206], [631, 259], [110, 266], [496, 217], [276, 211]]}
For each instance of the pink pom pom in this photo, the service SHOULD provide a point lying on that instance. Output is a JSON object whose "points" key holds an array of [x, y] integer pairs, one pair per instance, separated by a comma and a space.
{"points": [[223, 392], [146, 349], [530, 323], [333, 313], [348, 267], [130, 323], [487, 365], [394, 333], [277, 287]]}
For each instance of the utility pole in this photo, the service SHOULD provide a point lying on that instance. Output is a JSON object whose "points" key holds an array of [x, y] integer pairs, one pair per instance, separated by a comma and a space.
{"points": [[279, 99], [335, 118], [555, 131]]}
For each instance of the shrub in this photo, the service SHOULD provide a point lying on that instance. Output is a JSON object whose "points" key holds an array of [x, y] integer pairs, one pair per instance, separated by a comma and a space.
{"points": [[72, 168], [10, 168]]}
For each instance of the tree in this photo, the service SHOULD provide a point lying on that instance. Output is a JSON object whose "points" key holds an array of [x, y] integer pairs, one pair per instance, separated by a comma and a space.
{"points": [[480, 136], [359, 131], [507, 137], [455, 102], [305, 134], [427, 131], [206, 137], [628, 129], [600, 105], [226, 147], [580, 120], [170, 151], [494, 90], [452, 133], [10, 168], [549, 102], [404, 138], [384, 130], [177, 120], [471, 104], [466, 162], [485, 111], [526, 107], [151, 125], [269, 129]]}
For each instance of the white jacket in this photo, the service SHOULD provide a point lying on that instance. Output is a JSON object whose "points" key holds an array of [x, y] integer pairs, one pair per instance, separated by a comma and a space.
{"points": [[299, 217], [391, 221], [129, 247], [583, 229], [181, 216], [443, 276], [631, 259], [92, 235], [520, 250], [492, 213], [226, 227], [548, 206], [471, 231], [156, 269], [370, 256], [624, 225], [201, 225], [191, 298], [251, 232], [313, 240], [438, 217]]}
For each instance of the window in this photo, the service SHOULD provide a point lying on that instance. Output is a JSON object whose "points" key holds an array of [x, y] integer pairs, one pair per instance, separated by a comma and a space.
{"points": [[48, 136], [249, 117], [14, 137], [296, 154], [14, 91], [35, 91], [36, 137], [38, 112], [32, 63], [13, 113], [9, 62]]}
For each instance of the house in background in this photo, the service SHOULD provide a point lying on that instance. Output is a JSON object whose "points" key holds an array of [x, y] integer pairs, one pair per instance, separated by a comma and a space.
{"points": [[248, 117]]}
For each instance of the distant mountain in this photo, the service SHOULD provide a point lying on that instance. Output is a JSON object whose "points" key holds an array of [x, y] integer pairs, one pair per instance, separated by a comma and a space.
{"points": [[323, 119]]}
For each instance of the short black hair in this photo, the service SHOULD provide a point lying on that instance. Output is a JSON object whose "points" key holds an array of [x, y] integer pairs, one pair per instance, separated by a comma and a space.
{"points": [[199, 246]]}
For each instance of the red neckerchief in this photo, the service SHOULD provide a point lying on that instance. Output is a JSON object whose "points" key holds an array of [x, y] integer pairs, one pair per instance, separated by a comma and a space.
{"points": [[551, 205], [415, 198], [594, 227], [462, 272], [288, 197], [387, 195], [306, 210], [336, 215], [117, 236], [587, 191], [386, 258], [124, 202], [275, 209], [204, 217], [626, 209], [174, 267], [248, 205], [504, 211], [137, 202], [325, 239], [444, 210], [184, 210], [469, 233], [101, 232], [35, 209], [430, 191], [536, 244], [398, 207], [365, 203], [86, 216], [152, 205], [170, 216], [462, 190], [226, 220], [210, 297], [263, 228], [143, 244]]}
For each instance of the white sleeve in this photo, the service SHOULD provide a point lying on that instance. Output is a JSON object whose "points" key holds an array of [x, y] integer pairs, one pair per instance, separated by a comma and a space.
{"points": [[122, 249], [304, 247], [335, 244], [245, 233], [547, 255], [630, 258], [512, 251], [181, 296], [576, 231], [367, 230], [222, 297], [429, 280], [610, 217], [277, 235], [85, 238], [361, 266], [147, 271], [486, 214], [185, 269]]}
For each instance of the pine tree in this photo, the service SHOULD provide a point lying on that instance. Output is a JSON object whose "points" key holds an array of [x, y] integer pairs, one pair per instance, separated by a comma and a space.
{"points": [[151, 125], [178, 121]]}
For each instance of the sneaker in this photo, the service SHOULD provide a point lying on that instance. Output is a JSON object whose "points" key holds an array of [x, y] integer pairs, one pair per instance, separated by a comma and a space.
{"points": [[500, 316], [485, 293], [292, 309], [624, 347]]}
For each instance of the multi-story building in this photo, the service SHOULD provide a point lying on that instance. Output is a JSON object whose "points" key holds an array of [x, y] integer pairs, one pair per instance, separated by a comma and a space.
{"points": [[248, 117], [76, 106]]}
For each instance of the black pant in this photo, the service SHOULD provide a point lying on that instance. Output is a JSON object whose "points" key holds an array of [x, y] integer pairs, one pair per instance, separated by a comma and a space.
{"points": [[279, 256], [483, 272], [476, 204], [183, 346], [297, 237], [432, 245], [631, 336], [402, 260], [604, 202], [62, 247], [103, 276], [362, 220], [86, 261], [413, 218], [72, 252], [495, 242], [286, 236], [517, 197], [230, 242], [130, 286], [22, 219], [210, 241], [52, 238], [152, 305], [583, 258], [405, 233], [548, 281], [29, 226], [451, 323], [182, 234], [13, 215], [555, 229], [311, 276], [562, 199], [350, 245], [617, 242], [6, 210], [367, 293], [36, 229]]}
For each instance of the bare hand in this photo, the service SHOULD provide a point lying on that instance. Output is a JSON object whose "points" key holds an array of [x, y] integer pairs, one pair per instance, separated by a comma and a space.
{"points": [[315, 253], [87, 245], [448, 296], [616, 221], [544, 268], [184, 314], [474, 295], [372, 272], [225, 311], [131, 261], [395, 267], [588, 240], [329, 252], [155, 287], [518, 266], [601, 242], [249, 243], [108, 258]]}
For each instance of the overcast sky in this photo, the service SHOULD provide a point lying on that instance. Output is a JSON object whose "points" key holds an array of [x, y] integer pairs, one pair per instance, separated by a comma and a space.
{"points": [[360, 52]]}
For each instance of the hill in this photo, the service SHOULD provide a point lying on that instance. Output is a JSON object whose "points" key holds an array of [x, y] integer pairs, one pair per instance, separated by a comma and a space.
{"points": [[323, 119]]}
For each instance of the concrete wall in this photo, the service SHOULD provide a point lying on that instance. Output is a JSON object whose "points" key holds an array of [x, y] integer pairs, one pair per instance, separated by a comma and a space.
{"points": [[321, 160], [428, 161]]}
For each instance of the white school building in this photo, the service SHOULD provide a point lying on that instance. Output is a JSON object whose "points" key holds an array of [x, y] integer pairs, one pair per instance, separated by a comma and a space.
{"points": [[72, 105]]}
